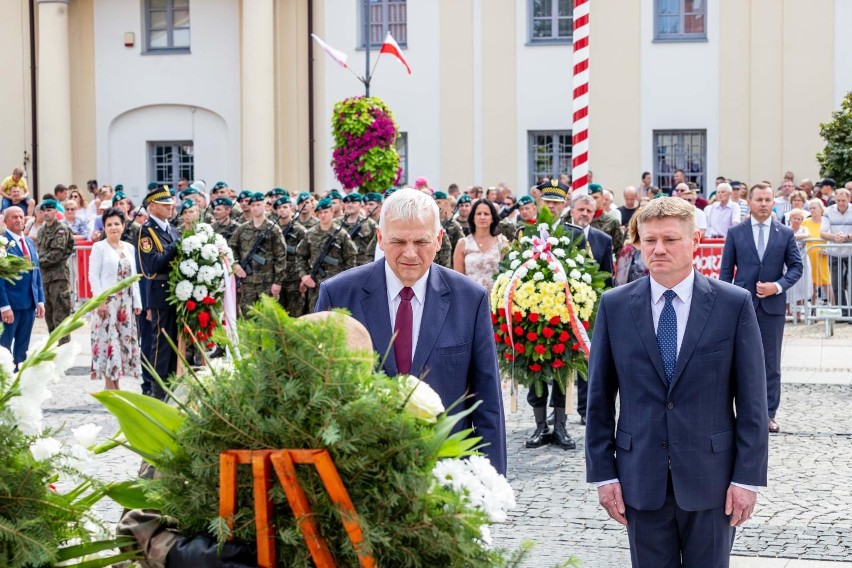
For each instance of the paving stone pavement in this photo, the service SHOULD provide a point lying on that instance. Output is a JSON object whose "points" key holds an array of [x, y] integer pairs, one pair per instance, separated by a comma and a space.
{"points": [[804, 513]]}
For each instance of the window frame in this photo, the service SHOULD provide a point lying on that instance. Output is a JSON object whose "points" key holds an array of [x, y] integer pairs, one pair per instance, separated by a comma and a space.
{"points": [[402, 142], [176, 168], [385, 9], [680, 158], [170, 28], [681, 36], [533, 175], [554, 25]]}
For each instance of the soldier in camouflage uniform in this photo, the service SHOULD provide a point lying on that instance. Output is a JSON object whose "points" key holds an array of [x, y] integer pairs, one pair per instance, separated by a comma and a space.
{"points": [[223, 224], [304, 204], [527, 224], [340, 254], [260, 259], [242, 202], [292, 233], [444, 257], [361, 229], [55, 245], [463, 206], [373, 206], [336, 203], [271, 197], [604, 222], [187, 215], [451, 227], [131, 229]]}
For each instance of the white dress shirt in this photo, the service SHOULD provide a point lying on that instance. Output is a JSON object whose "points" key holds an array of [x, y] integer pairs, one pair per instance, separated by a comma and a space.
{"points": [[681, 305], [755, 231], [395, 286]]}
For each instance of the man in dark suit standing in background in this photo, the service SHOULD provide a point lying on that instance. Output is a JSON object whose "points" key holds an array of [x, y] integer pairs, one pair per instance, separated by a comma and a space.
{"points": [[21, 301], [758, 250], [682, 464], [441, 318]]}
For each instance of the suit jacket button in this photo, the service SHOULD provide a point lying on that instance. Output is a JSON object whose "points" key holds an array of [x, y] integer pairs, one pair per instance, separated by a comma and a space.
{"points": [[665, 445], [670, 405]]}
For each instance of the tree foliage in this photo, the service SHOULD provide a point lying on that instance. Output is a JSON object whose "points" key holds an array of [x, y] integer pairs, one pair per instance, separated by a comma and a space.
{"points": [[835, 160]]}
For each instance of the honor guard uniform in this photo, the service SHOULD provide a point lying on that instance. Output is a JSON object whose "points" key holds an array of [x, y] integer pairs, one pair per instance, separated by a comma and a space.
{"points": [[325, 251], [464, 201], [259, 256], [55, 246], [305, 217], [223, 224], [361, 229], [292, 233], [155, 250]]}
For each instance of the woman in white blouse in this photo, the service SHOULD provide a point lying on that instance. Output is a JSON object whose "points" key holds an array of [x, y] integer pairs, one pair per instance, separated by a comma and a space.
{"points": [[115, 341]]}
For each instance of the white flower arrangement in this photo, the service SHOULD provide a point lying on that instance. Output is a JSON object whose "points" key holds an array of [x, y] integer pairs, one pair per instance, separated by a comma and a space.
{"points": [[199, 292], [538, 276], [423, 402], [513, 255], [191, 244], [580, 260], [188, 268], [206, 274], [514, 264], [209, 252], [552, 241], [527, 254], [477, 480], [587, 278], [570, 263], [183, 290], [575, 274], [559, 252]]}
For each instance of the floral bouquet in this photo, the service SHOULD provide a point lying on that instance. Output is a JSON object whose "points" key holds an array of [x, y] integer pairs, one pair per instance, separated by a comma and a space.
{"points": [[12, 265], [198, 281], [543, 304]]}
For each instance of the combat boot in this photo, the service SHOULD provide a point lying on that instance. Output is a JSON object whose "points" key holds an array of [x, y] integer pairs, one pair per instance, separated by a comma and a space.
{"points": [[542, 433], [560, 434]]}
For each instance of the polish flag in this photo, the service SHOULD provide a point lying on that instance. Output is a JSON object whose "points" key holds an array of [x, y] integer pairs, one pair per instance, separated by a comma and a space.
{"points": [[335, 54], [390, 46]]}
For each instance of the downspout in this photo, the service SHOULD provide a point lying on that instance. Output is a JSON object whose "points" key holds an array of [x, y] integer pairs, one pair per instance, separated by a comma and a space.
{"points": [[33, 170], [311, 155]]}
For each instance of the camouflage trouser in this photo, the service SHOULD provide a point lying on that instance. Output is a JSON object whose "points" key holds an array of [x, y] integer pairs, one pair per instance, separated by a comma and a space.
{"points": [[291, 300], [250, 293], [57, 305]]}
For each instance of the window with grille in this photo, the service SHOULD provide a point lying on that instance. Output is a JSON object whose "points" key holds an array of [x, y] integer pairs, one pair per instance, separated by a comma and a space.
{"points": [[170, 161], [679, 20], [402, 150], [166, 25], [385, 16], [549, 154], [550, 21], [680, 149]]}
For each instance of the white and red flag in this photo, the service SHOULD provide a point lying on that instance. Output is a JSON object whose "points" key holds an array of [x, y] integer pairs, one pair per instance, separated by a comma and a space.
{"points": [[335, 54], [391, 47]]}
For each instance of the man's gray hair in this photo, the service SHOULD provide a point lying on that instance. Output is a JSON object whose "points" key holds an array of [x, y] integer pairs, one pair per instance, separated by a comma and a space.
{"points": [[408, 205], [586, 198]]}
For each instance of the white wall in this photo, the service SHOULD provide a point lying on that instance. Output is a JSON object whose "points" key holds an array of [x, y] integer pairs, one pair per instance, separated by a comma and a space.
{"points": [[680, 87], [413, 99], [842, 50], [165, 89]]}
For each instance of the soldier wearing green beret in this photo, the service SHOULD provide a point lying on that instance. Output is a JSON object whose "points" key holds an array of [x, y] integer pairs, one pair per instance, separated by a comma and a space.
{"points": [[55, 245], [527, 224], [361, 229], [325, 251], [292, 233], [451, 227], [188, 213], [373, 206], [463, 206], [223, 223], [605, 222], [305, 206], [336, 203], [259, 255]]}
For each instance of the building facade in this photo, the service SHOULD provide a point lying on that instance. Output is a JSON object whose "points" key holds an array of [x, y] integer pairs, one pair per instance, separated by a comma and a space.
{"points": [[130, 91]]}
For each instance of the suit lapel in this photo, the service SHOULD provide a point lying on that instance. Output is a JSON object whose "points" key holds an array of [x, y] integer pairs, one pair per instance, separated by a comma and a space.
{"points": [[748, 235], [772, 236], [15, 249], [640, 306], [703, 298], [375, 308], [435, 309]]}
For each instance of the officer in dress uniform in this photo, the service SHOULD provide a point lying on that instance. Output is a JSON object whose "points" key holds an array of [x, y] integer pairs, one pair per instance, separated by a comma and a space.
{"points": [[361, 229], [155, 251]]}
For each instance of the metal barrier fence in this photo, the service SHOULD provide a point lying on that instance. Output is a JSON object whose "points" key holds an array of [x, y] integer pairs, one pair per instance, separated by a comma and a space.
{"points": [[828, 284]]}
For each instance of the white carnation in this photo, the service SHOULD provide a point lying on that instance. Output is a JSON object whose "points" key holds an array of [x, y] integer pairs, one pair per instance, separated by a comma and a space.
{"points": [[538, 276], [183, 290], [527, 254], [514, 264], [559, 277], [204, 229], [587, 279], [559, 252], [7, 362], [45, 448], [188, 267], [552, 241], [209, 252], [575, 274], [86, 434], [191, 244], [580, 260], [513, 255], [570, 263], [199, 292], [206, 274]]}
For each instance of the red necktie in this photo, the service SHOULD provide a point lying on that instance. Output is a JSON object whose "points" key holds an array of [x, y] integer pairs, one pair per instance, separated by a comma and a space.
{"points": [[402, 328], [24, 249]]}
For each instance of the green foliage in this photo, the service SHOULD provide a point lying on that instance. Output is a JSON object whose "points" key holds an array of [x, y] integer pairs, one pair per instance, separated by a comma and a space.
{"points": [[835, 160]]}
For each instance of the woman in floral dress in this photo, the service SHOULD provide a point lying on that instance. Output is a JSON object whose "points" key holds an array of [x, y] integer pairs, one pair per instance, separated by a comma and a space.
{"points": [[115, 342], [478, 254]]}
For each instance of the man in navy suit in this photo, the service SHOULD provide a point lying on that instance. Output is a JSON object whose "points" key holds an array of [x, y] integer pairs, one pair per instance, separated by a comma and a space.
{"points": [[23, 300], [682, 464], [442, 318], [759, 249]]}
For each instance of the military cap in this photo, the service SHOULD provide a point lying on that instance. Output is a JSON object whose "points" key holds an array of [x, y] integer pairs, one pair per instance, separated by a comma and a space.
{"points": [[324, 203], [334, 194], [353, 198], [553, 190], [219, 185], [390, 192], [119, 187], [159, 195], [439, 195], [373, 196], [172, 191], [526, 200], [152, 185], [187, 192], [222, 201], [464, 199], [244, 194], [595, 188], [48, 204], [283, 200], [304, 196], [118, 197], [186, 204], [256, 196], [276, 192]]}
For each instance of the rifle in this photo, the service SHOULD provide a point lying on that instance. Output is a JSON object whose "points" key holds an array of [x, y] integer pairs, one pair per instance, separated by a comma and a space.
{"points": [[252, 256], [356, 227], [509, 211], [317, 269], [289, 228]]}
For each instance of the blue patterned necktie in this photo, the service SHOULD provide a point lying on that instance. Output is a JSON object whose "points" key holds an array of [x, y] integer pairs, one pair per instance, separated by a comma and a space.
{"points": [[667, 335], [761, 241]]}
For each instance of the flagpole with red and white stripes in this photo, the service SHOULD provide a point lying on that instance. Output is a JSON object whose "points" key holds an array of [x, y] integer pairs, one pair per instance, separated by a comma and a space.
{"points": [[580, 128]]}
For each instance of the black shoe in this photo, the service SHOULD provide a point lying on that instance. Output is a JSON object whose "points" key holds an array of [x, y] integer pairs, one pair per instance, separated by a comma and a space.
{"points": [[562, 439], [551, 417], [583, 420], [540, 437]]}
